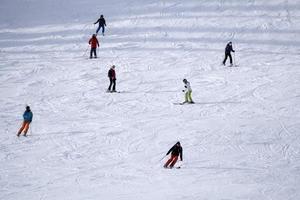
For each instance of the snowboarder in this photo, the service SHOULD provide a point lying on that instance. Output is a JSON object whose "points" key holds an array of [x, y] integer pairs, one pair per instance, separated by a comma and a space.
{"points": [[112, 79], [94, 43], [228, 51], [188, 92], [102, 24], [175, 151], [27, 116]]}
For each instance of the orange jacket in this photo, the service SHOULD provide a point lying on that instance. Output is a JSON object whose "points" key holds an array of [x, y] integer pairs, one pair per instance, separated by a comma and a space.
{"points": [[94, 42]]}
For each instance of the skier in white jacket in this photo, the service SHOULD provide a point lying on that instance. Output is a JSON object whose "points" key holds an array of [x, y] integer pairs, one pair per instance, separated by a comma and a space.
{"points": [[188, 92]]}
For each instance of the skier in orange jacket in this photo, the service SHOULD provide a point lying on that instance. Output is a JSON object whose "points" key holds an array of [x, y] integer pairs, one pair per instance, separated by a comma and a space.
{"points": [[94, 43]]}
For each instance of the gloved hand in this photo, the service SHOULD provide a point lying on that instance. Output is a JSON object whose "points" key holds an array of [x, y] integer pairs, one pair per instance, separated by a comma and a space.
{"points": [[182, 90]]}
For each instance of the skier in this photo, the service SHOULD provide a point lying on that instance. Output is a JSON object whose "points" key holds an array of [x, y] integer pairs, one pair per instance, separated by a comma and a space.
{"points": [[112, 79], [176, 151], [102, 24], [228, 51], [188, 92], [27, 116], [94, 43]]}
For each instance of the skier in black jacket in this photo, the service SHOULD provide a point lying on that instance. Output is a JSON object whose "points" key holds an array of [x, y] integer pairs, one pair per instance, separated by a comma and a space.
{"points": [[102, 24], [112, 79], [176, 151], [228, 51]]}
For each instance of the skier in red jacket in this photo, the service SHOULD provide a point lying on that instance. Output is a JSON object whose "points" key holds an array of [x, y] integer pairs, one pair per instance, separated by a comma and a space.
{"points": [[94, 43]]}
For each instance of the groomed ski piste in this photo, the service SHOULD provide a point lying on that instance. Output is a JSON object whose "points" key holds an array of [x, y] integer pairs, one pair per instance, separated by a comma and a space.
{"points": [[240, 139]]}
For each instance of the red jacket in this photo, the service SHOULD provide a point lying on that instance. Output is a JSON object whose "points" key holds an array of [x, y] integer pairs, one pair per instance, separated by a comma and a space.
{"points": [[94, 42]]}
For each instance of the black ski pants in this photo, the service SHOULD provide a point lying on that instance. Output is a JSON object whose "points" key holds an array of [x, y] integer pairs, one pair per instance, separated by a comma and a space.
{"points": [[93, 50], [112, 83], [226, 56]]}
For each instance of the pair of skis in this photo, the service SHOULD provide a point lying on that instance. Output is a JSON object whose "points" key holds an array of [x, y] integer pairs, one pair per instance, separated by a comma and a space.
{"points": [[184, 103], [107, 91], [179, 167], [175, 167]]}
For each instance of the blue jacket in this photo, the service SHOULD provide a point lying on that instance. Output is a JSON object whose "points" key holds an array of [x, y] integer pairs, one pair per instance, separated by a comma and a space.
{"points": [[27, 116]]}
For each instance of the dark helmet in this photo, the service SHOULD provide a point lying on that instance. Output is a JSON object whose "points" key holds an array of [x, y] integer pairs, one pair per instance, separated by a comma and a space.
{"points": [[230, 43], [101, 16], [94, 35], [178, 143], [27, 108], [184, 80]]}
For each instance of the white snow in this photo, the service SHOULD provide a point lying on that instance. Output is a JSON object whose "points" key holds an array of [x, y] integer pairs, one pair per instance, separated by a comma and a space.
{"points": [[240, 140]]}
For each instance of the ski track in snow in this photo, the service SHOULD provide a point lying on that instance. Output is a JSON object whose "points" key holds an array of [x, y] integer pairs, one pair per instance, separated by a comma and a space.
{"points": [[240, 139]]}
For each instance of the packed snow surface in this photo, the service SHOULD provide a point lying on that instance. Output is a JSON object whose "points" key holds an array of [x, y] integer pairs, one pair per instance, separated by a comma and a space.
{"points": [[240, 139]]}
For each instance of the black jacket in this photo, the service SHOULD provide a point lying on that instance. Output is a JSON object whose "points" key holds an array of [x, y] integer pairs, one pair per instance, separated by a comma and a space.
{"points": [[111, 73], [101, 21], [176, 151], [228, 49]]}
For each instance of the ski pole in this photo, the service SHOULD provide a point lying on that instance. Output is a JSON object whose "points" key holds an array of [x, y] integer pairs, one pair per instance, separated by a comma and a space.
{"points": [[234, 59], [85, 51], [234, 56], [180, 164], [31, 129], [162, 158]]}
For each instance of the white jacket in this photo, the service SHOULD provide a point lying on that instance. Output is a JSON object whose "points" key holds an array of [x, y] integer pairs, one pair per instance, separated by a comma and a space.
{"points": [[187, 87]]}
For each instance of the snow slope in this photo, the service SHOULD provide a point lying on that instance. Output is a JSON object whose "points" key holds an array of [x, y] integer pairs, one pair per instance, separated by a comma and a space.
{"points": [[240, 140]]}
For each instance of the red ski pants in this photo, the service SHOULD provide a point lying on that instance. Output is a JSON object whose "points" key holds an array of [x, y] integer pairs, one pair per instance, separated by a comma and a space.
{"points": [[25, 127], [172, 161]]}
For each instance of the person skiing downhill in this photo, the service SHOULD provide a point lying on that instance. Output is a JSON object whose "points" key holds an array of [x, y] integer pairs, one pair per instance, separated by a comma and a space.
{"points": [[228, 51], [94, 43], [27, 116], [175, 151], [188, 92], [112, 79], [102, 24]]}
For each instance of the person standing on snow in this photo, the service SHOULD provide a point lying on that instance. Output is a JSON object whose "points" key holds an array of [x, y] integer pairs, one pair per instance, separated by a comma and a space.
{"points": [[188, 92], [94, 43], [228, 51], [175, 151], [27, 116], [112, 79], [102, 24]]}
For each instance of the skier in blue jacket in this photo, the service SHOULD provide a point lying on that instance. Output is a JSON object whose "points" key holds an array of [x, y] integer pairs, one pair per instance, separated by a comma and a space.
{"points": [[27, 116]]}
